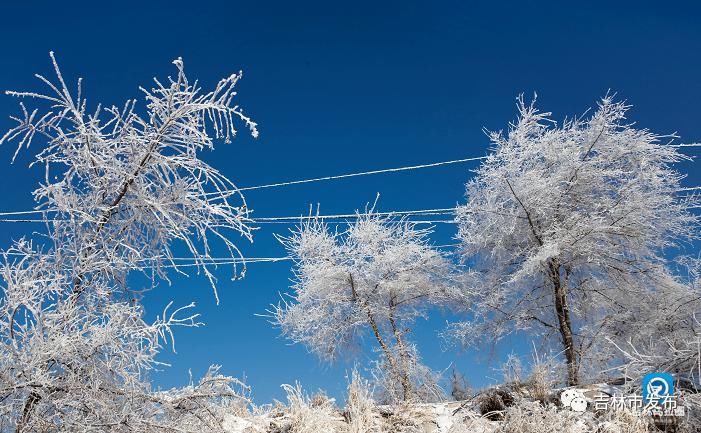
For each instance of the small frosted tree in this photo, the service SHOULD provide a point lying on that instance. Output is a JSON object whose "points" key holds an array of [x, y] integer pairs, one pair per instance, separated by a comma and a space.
{"points": [[571, 228], [666, 334], [377, 276], [121, 190]]}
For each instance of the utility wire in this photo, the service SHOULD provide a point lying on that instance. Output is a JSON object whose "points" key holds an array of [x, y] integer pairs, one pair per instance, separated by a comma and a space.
{"points": [[391, 170], [190, 262], [436, 221], [264, 220], [441, 211], [363, 173], [346, 216], [273, 185], [216, 261], [296, 219], [303, 181], [685, 145]]}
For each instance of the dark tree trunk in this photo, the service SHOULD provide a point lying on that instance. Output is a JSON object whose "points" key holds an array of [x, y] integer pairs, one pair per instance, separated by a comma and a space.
{"points": [[29, 404], [399, 371], [565, 322], [404, 357]]}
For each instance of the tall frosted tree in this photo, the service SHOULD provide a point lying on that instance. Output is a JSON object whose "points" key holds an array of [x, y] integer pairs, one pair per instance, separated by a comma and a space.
{"points": [[377, 277], [123, 188], [572, 230]]}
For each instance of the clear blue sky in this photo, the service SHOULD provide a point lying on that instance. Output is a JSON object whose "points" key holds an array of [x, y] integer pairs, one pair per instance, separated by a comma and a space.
{"points": [[349, 86]]}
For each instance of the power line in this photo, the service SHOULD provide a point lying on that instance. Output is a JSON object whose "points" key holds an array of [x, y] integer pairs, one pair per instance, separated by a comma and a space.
{"points": [[285, 222], [267, 220], [389, 170], [213, 261], [345, 216], [433, 221], [362, 173], [9, 220], [24, 212], [264, 220], [423, 212], [228, 262], [686, 145], [274, 185], [295, 219], [242, 261]]}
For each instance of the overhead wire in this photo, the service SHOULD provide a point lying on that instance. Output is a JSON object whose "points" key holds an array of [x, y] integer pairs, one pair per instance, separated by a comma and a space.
{"points": [[297, 219], [362, 173], [283, 219]]}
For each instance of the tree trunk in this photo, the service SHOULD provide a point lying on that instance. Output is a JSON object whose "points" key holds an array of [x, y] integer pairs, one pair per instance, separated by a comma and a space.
{"points": [[565, 322], [403, 354], [32, 400], [396, 370]]}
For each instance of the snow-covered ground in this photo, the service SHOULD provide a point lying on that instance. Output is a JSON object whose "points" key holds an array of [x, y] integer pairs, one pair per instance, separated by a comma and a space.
{"points": [[524, 415]]}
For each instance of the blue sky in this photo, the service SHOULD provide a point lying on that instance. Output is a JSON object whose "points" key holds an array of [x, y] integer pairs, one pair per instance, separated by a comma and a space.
{"points": [[340, 87]]}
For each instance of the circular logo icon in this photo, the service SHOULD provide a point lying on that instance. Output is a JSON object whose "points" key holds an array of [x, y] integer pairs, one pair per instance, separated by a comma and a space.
{"points": [[574, 399], [657, 387], [579, 404]]}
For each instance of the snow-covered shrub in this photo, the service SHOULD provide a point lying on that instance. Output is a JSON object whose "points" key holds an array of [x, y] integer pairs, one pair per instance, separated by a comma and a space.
{"points": [[493, 402], [472, 425], [623, 421], [536, 380], [691, 423], [533, 417], [305, 415], [406, 417], [361, 411], [425, 383], [545, 372]]}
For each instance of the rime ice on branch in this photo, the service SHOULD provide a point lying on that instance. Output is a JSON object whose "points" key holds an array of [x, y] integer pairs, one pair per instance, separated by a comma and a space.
{"points": [[123, 188]]}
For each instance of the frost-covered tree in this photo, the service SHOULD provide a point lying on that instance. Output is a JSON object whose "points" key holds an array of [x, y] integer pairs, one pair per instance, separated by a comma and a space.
{"points": [[377, 276], [571, 230], [668, 338], [121, 190]]}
